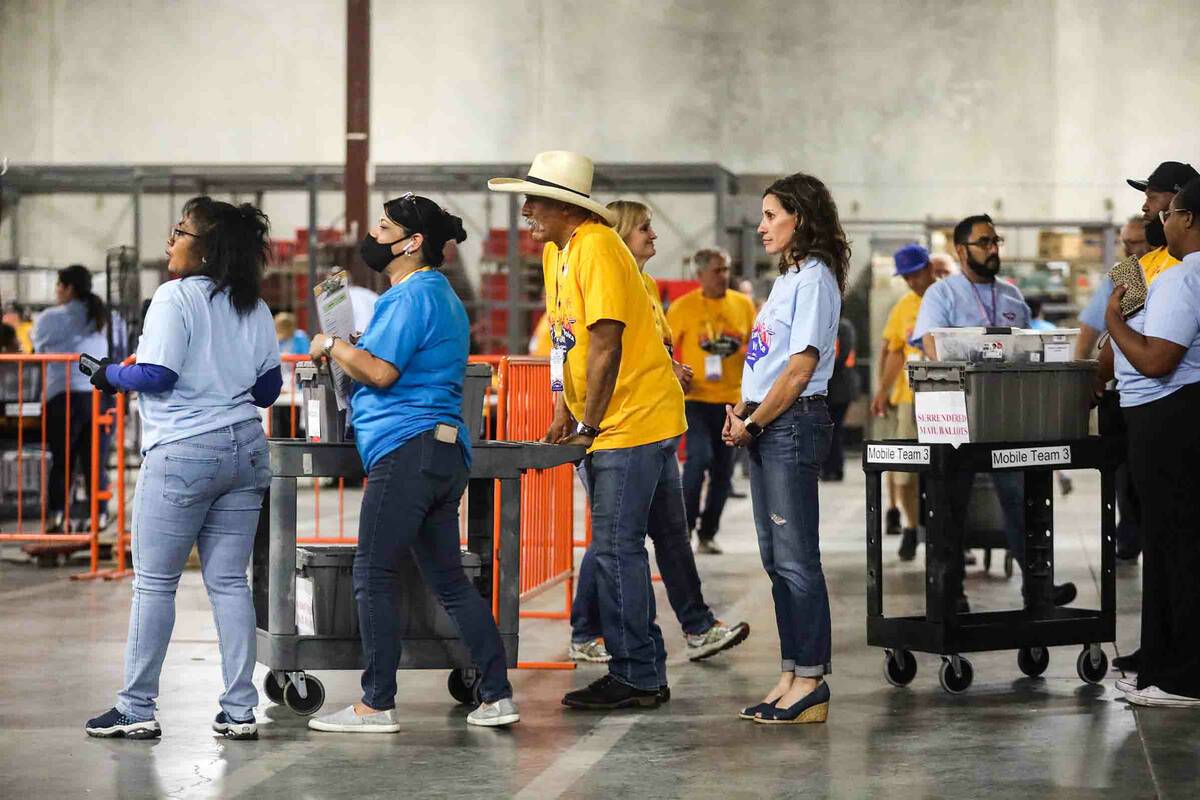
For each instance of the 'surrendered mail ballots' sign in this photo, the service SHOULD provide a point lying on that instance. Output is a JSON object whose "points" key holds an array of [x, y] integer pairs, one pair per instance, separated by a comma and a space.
{"points": [[897, 454], [942, 418], [1030, 457]]}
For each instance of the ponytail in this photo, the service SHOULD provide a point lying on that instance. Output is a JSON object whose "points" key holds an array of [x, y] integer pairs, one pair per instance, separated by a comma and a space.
{"points": [[234, 246], [79, 279]]}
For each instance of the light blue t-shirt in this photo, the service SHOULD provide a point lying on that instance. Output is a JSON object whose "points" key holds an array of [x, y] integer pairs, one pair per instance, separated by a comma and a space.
{"points": [[66, 329], [955, 302], [1172, 312], [421, 328], [1093, 313], [217, 354], [802, 311]]}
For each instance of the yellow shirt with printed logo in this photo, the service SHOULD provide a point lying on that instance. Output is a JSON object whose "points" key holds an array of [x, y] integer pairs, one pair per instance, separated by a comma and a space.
{"points": [[697, 320], [1155, 263], [595, 278], [896, 333]]}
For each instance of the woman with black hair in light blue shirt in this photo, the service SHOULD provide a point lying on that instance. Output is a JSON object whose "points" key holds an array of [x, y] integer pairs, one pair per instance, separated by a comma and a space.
{"points": [[207, 361]]}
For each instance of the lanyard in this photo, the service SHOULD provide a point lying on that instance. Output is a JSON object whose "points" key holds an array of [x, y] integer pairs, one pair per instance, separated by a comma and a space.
{"points": [[990, 317]]}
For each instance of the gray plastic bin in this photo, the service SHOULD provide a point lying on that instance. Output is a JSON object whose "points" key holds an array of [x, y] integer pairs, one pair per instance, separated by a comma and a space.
{"points": [[1015, 402], [325, 595]]}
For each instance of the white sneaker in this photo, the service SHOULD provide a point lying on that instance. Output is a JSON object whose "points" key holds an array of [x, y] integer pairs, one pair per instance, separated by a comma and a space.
{"points": [[495, 715], [717, 638], [593, 652], [1127, 685], [1154, 696], [346, 721]]}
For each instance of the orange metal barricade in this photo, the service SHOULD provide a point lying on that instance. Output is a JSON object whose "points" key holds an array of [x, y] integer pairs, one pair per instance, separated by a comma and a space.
{"points": [[22, 410]]}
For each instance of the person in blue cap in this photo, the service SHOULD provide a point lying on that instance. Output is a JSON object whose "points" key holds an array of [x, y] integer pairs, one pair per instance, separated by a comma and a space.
{"points": [[975, 298], [893, 402]]}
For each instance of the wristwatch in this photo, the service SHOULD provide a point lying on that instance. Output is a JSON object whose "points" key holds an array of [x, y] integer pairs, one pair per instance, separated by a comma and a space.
{"points": [[753, 428], [328, 346], [583, 429]]}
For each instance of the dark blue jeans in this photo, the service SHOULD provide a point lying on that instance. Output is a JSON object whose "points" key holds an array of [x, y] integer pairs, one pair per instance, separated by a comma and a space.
{"points": [[667, 528], [621, 485], [411, 503], [706, 453], [784, 464]]}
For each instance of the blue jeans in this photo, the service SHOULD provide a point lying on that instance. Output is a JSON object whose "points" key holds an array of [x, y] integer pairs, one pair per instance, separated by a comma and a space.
{"points": [[207, 491], [621, 485], [706, 453], [784, 464], [411, 504], [672, 549]]}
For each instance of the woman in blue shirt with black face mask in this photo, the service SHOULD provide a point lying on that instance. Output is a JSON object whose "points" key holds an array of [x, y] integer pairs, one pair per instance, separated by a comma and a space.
{"points": [[206, 362], [416, 449]]}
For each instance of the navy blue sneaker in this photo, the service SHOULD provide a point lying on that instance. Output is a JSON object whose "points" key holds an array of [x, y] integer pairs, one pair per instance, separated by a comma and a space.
{"points": [[113, 723], [232, 729]]}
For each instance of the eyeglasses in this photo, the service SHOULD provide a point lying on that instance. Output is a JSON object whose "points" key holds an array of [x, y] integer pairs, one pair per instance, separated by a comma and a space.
{"points": [[1166, 212], [988, 241], [177, 232]]}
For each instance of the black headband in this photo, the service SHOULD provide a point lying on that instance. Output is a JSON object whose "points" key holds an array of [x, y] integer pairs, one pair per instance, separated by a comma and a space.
{"points": [[553, 185]]}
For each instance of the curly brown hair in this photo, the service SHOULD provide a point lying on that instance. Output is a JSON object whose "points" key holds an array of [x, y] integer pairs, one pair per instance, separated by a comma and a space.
{"points": [[819, 232]]}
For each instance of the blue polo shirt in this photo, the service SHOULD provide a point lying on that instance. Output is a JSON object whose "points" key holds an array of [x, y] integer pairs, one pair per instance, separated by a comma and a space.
{"points": [[955, 302], [421, 328], [1172, 312], [802, 311]]}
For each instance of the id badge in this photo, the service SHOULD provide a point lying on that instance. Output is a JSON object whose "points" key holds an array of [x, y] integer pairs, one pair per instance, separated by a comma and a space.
{"points": [[558, 357], [712, 367]]}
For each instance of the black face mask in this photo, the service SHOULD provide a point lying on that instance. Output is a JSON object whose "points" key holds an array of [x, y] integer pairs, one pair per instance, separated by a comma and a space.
{"points": [[375, 255], [1155, 235], [986, 269]]}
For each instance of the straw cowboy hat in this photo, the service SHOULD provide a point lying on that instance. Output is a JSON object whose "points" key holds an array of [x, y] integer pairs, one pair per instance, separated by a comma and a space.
{"points": [[559, 175]]}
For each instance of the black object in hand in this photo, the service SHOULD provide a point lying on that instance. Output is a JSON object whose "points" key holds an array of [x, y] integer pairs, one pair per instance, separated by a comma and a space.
{"points": [[97, 368]]}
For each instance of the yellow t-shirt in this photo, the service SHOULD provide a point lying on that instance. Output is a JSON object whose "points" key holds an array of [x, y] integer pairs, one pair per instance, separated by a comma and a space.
{"points": [[896, 332], [660, 320], [1155, 262], [539, 343], [697, 320], [595, 278]]}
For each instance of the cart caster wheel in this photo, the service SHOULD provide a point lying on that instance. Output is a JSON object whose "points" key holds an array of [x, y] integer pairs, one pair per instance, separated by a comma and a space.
{"points": [[899, 667], [1091, 671], [305, 705], [464, 686], [272, 689], [1033, 660], [1008, 565], [952, 682], [46, 560]]}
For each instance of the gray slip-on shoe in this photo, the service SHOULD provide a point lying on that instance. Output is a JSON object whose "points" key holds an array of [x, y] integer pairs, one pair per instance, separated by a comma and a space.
{"points": [[495, 715], [346, 721]]}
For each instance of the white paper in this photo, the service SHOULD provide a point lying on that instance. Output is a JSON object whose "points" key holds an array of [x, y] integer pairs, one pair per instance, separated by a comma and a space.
{"points": [[712, 367], [897, 454], [306, 624], [1017, 458], [1058, 352], [336, 314], [314, 421], [942, 418]]}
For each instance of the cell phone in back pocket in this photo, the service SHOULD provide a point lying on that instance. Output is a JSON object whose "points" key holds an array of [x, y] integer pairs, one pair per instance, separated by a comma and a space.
{"points": [[88, 364]]}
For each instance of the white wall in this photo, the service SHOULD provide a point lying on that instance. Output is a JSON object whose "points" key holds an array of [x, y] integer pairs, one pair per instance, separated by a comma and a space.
{"points": [[907, 108]]}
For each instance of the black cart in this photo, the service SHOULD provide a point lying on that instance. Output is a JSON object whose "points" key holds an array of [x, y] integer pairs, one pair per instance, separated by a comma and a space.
{"points": [[945, 631], [491, 560]]}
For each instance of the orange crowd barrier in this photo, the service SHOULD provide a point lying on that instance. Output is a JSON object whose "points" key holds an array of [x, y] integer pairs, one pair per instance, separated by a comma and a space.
{"points": [[25, 472]]}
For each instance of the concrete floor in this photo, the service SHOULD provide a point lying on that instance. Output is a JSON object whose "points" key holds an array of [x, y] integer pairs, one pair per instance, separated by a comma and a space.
{"points": [[1008, 736]]}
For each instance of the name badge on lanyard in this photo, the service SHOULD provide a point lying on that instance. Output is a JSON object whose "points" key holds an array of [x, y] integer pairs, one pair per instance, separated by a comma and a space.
{"points": [[558, 357], [712, 367]]}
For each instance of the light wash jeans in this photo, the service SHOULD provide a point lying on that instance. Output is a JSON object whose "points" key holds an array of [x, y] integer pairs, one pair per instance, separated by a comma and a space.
{"points": [[207, 491]]}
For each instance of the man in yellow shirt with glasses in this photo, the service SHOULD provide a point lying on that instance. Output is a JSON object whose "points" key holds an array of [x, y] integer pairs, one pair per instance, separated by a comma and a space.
{"points": [[709, 330]]}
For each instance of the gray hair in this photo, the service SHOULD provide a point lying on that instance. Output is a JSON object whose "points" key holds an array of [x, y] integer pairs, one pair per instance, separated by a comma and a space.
{"points": [[707, 254]]}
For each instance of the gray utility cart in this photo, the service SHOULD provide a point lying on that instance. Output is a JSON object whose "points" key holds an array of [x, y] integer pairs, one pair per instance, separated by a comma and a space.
{"points": [[316, 580]]}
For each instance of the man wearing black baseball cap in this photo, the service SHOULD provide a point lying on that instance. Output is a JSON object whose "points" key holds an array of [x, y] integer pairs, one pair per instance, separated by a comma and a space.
{"points": [[1160, 188]]}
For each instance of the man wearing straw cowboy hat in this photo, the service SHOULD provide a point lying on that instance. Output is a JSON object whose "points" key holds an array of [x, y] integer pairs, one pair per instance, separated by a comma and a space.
{"points": [[617, 395]]}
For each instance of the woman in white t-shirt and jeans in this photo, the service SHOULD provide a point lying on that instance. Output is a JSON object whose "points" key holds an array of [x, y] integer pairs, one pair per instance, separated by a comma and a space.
{"points": [[207, 361]]}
